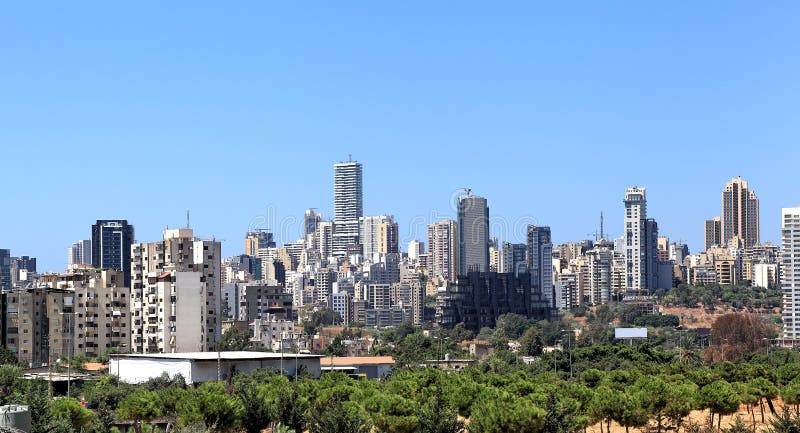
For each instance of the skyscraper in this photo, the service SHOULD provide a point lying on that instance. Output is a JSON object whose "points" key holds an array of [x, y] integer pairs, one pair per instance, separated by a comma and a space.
{"points": [[539, 257], [255, 240], [80, 253], [473, 235], [790, 233], [443, 249], [5, 269], [370, 234], [641, 245], [739, 220], [111, 246], [310, 220], [348, 205], [712, 233]]}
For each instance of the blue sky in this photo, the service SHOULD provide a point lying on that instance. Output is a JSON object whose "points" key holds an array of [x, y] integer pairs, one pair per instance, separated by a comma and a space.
{"points": [[238, 112]]}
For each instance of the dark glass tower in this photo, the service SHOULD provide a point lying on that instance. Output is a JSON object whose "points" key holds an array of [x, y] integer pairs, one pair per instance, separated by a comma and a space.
{"points": [[111, 246]]}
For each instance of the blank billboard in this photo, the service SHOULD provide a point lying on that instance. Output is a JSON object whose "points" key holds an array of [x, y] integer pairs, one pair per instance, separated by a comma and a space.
{"points": [[630, 332]]}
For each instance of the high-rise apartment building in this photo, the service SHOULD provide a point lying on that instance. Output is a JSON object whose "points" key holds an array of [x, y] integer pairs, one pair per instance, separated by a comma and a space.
{"points": [[473, 235], [80, 253], [443, 250], [111, 246], [310, 220], [641, 245], [5, 269], [176, 295], [712, 233], [790, 281], [256, 240], [539, 257], [739, 219], [415, 249], [378, 234], [348, 205], [512, 258]]}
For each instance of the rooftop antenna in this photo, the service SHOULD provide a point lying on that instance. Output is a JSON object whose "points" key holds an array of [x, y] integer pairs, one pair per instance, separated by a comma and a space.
{"points": [[187, 218], [349, 157]]}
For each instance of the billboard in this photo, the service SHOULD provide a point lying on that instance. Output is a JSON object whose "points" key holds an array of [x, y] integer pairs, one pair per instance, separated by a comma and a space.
{"points": [[630, 332]]}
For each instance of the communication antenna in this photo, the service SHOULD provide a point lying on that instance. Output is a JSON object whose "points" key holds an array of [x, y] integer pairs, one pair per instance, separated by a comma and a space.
{"points": [[187, 218]]}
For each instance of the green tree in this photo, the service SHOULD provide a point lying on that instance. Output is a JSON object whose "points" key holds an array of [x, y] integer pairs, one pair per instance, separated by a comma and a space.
{"points": [[70, 410], [720, 398], [791, 394], [506, 414], [141, 406], [210, 404], [437, 416], [256, 414], [336, 414], [531, 343], [513, 325], [9, 374], [234, 339]]}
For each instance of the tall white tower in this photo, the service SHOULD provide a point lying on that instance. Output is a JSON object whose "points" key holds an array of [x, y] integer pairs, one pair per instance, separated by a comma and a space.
{"points": [[790, 233], [348, 205]]}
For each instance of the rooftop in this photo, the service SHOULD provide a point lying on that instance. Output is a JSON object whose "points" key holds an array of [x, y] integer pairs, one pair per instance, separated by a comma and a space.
{"points": [[356, 360], [213, 356]]}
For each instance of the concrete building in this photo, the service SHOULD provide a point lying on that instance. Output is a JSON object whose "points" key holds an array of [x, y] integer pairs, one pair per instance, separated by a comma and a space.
{"points": [[5, 269], [566, 291], [311, 219], [273, 333], [198, 367], [790, 280], [539, 258], [257, 239], [443, 250], [258, 301], [323, 287], [378, 234], [415, 250], [740, 209], [713, 233], [479, 298], [80, 253], [641, 246], [176, 298], [600, 263], [111, 246], [473, 234], [765, 275], [513, 258], [348, 205], [370, 367]]}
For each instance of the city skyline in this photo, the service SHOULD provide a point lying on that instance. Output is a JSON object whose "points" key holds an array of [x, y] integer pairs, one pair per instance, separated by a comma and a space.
{"points": [[585, 104], [291, 228]]}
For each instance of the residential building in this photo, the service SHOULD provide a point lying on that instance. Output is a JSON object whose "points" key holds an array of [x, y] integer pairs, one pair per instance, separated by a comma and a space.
{"points": [[513, 258], [739, 219], [177, 286], [790, 279], [310, 221], [5, 269], [473, 234], [415, 250], [539, 257], [258, 301], [443, 250], [376, 232], [111, 246], [713, 233], [348, 205], [80, 253], [256, 240], [641, 246]]}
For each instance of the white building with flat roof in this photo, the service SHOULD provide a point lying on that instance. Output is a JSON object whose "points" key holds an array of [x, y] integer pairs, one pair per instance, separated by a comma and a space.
{"points": [[198, 367]]}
